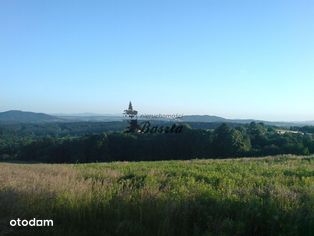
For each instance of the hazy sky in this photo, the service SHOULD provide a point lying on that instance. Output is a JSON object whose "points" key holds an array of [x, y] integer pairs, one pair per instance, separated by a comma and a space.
{"points": [[237, 59]]}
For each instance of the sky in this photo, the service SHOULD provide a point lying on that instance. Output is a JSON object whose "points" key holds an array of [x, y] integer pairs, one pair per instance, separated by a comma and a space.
{"points": [[236, 58]]}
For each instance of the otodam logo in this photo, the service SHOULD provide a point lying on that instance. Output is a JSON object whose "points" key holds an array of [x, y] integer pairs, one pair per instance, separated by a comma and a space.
{"points": [[145, 126]]}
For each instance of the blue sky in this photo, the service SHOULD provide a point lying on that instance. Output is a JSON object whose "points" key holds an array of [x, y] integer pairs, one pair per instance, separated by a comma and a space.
{"points": [[237, 59]]}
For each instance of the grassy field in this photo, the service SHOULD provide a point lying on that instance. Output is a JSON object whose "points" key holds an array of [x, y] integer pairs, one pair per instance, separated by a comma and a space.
{"points": [[250, 196]]}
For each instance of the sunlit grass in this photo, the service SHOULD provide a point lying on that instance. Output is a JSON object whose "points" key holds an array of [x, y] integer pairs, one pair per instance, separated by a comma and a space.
{"points": [[250, 196]]}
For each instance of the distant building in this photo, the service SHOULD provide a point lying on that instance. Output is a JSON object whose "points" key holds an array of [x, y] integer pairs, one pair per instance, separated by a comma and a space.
{"points": [[283, 131]]}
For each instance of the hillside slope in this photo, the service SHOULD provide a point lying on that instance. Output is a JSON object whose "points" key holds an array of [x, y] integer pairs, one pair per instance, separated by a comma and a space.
{"points": [[15, 116]]}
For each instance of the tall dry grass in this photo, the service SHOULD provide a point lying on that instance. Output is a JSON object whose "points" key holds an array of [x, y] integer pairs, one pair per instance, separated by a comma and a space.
{"points": [[266, 196]]}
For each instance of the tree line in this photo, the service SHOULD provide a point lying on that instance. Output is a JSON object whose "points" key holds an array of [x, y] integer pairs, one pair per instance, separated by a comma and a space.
{"points": [[225, 141]]}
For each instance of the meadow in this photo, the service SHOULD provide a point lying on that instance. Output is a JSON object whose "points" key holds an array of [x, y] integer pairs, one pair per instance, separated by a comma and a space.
{"points": [[245, 196]]}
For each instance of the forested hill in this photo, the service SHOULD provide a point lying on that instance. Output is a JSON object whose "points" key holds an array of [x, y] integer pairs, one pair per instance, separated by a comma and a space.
{"points": [[15, 116]]}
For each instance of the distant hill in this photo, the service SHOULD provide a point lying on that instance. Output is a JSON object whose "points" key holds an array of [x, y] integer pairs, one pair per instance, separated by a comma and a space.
{"points": [[90, 118], [217, 119], [15, 116]]}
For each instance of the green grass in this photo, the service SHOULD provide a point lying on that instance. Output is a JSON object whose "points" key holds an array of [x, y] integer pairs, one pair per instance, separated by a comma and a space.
{"points": [[250, 196]]}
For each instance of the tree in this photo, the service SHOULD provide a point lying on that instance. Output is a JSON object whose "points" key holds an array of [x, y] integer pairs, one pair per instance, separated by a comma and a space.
{"points": [[230, 142], [258, 134]]}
